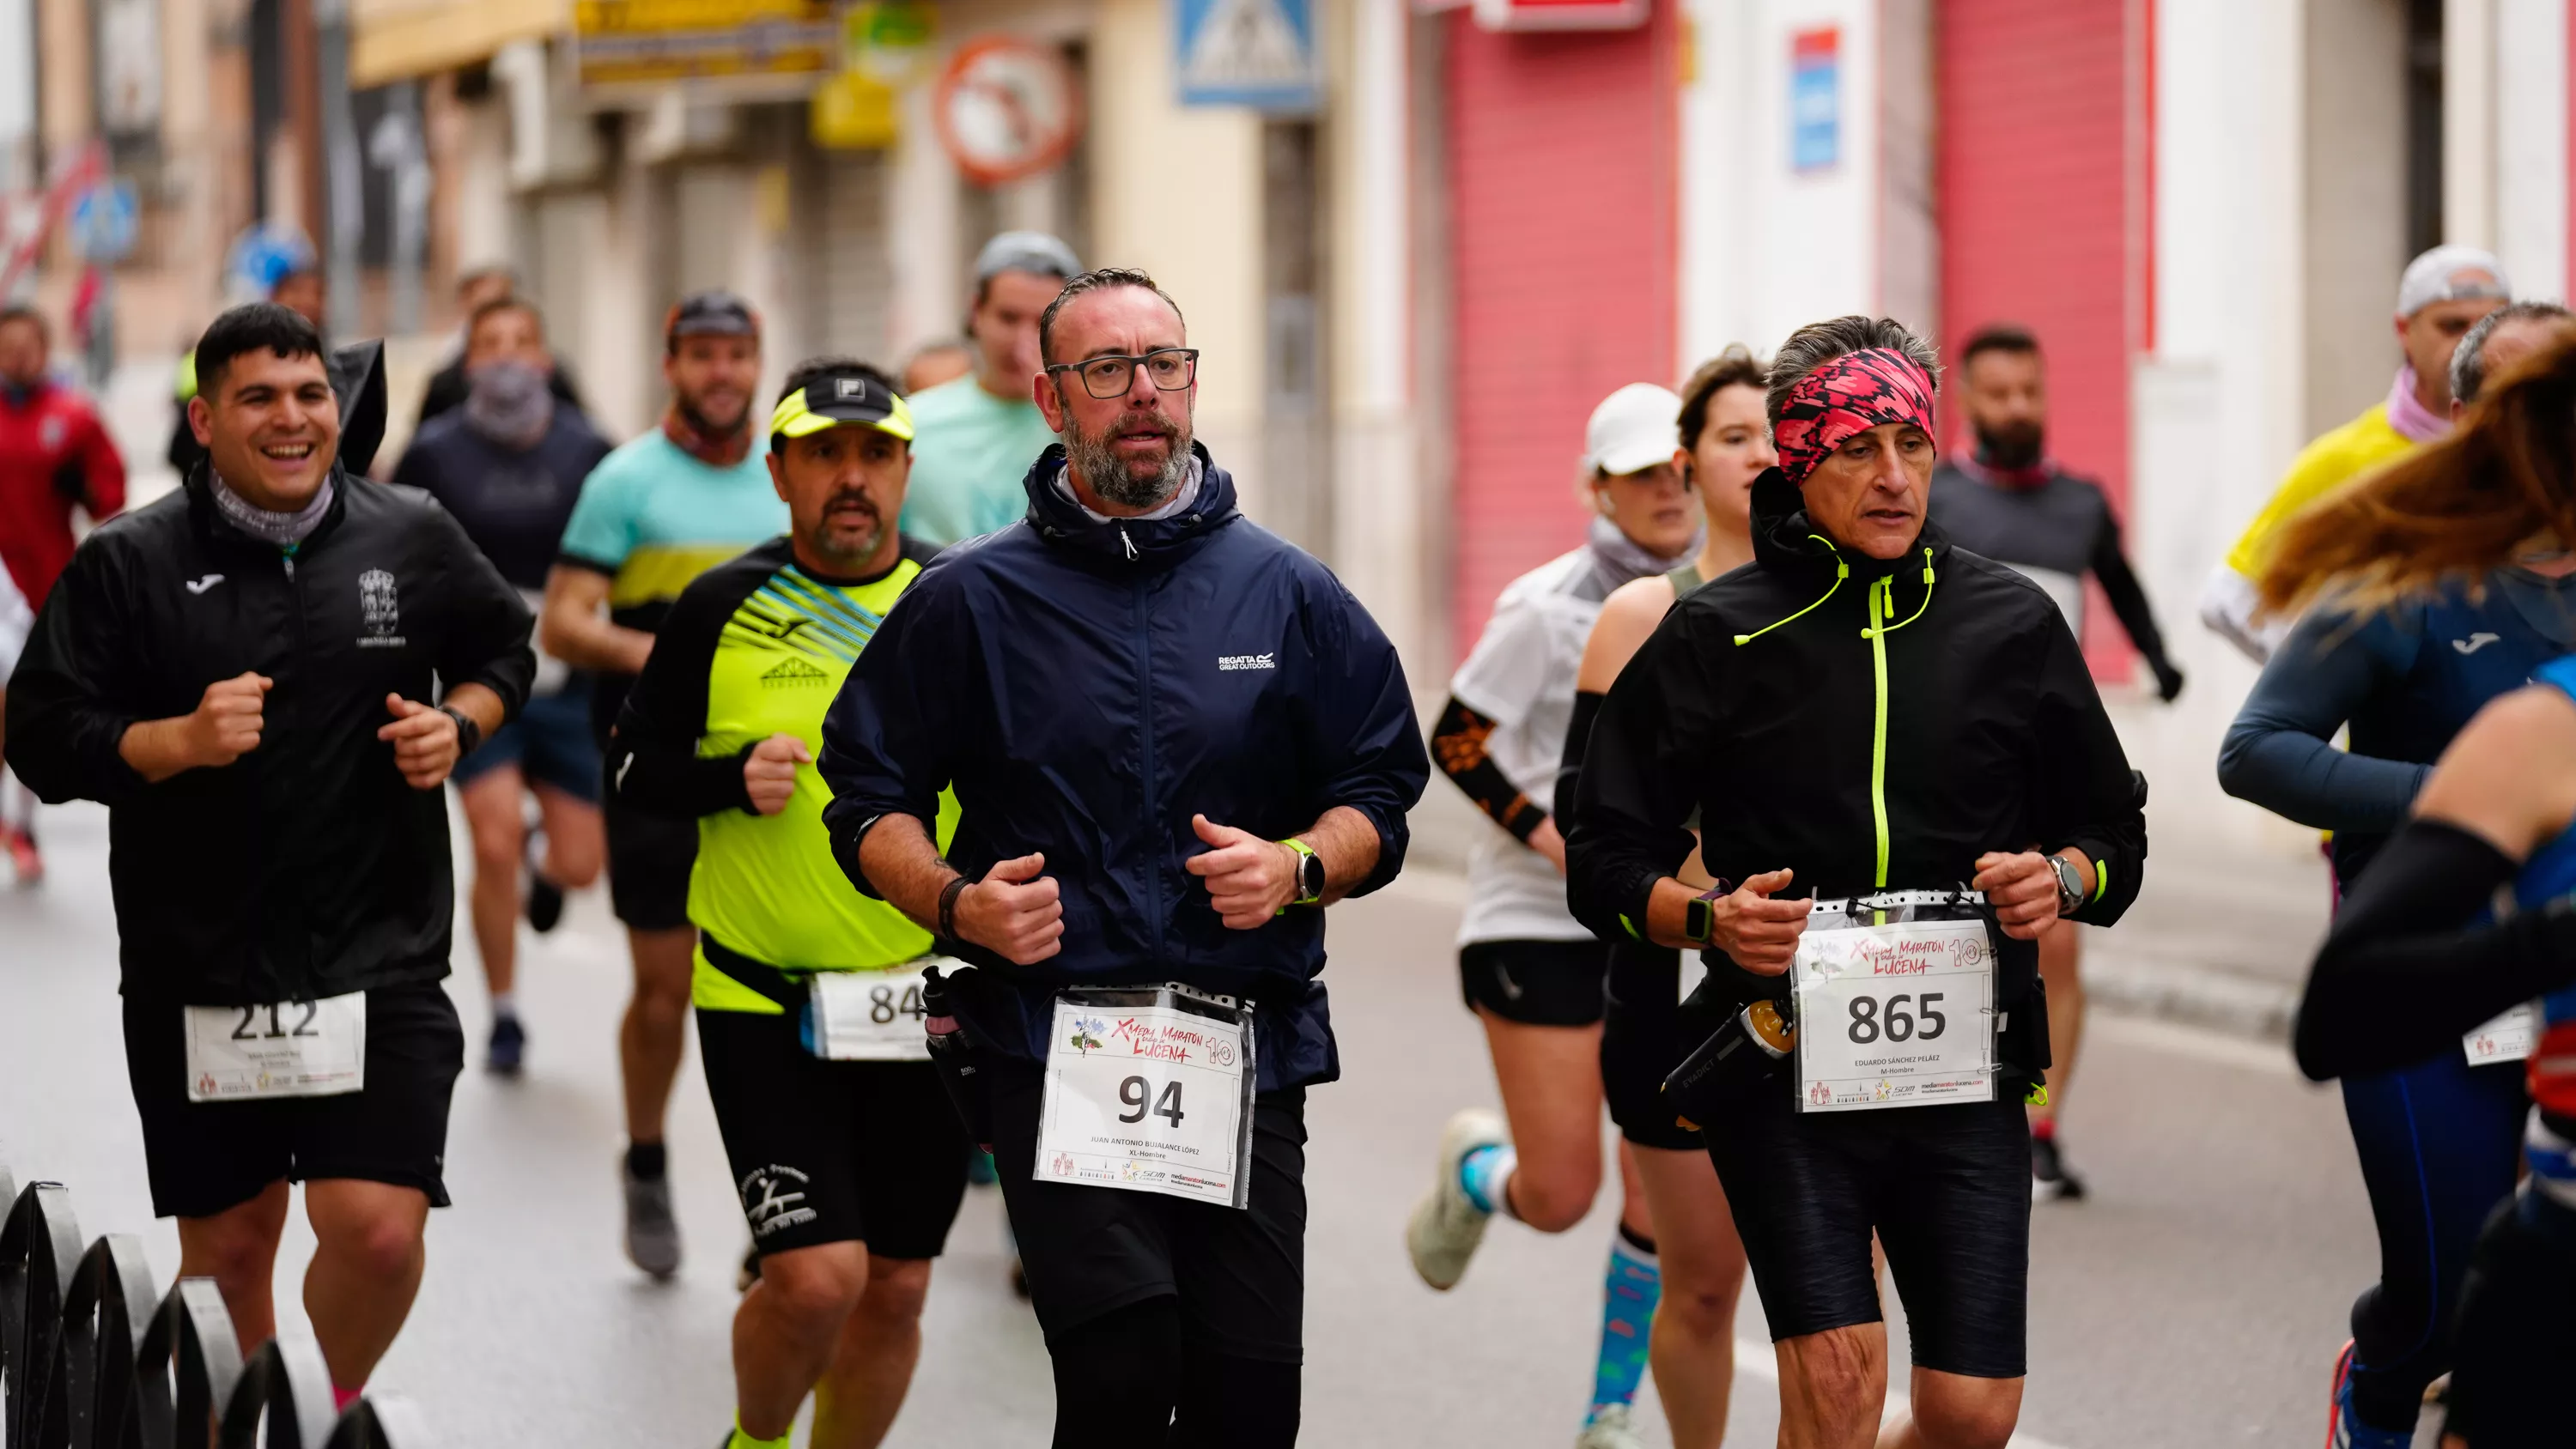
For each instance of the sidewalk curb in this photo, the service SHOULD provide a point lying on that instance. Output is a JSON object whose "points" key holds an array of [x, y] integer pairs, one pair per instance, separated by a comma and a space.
{"points": [[2186, 995]]}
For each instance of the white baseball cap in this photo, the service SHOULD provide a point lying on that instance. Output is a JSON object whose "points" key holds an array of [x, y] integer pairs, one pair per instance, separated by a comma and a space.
{"points": [[2451, 273], [1632, 430]]}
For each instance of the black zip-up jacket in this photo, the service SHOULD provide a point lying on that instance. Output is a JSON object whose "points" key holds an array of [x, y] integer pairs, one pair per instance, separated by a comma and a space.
{"points": [[1967, 723], [306, 868]]}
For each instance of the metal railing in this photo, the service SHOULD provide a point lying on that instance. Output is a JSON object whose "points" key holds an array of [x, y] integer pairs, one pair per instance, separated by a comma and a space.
{"points": [[92, 1356]]}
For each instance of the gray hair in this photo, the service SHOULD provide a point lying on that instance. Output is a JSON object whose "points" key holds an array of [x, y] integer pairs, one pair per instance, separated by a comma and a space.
{"points": [[1818, 343], [2469, 359], [1098, 279]]}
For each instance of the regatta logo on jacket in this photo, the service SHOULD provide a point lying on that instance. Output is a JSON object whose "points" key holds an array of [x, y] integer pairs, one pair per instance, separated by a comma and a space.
{"points": [[1225, 662], [380, 608]]}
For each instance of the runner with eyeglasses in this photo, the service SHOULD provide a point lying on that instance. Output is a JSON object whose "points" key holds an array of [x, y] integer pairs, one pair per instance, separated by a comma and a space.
{"points": [[1173, 740]]}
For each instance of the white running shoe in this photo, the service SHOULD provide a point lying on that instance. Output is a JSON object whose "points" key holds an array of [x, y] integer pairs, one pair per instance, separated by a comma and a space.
{"points": [[1447, 1225], [1609, 1430]]}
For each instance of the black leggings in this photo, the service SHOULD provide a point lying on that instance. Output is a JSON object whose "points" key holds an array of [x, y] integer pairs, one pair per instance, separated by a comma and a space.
{"points": [[1131, 1378]]}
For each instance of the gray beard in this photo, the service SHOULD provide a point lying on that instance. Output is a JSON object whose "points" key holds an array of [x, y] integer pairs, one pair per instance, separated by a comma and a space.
{"points": [[1097, 465]]}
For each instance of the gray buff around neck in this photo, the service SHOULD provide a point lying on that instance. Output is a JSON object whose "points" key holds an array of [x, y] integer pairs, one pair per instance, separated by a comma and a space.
{"points": [[281, 529]]}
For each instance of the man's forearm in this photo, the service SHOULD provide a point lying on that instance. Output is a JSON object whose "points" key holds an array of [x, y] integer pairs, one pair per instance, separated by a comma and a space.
{"points": [[157, 748], [478, 703], [587, 641], [898, 857], [1347, 842]]}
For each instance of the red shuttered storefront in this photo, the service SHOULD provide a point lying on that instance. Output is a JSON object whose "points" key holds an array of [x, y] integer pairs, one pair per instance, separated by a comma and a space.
{"points": [[2044, 169], [1562, 168]]}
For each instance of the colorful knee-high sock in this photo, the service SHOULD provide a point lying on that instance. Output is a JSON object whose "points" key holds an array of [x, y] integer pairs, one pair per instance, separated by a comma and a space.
{"points": [[1627, 1319], [1485, 1174]]}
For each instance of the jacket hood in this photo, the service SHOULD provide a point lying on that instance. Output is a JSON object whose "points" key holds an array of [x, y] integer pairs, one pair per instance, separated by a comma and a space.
{"points": [[1148, 542], [1786, 540]]}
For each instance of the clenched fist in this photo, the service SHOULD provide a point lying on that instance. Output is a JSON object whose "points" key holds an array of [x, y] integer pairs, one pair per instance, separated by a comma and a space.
{"points": [[1013, 912], [424, 741], [226, 722], [769, 772]]}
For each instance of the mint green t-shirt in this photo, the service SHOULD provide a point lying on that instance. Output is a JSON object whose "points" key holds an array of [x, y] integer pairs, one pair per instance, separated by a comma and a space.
{"points": [[969, 452]]}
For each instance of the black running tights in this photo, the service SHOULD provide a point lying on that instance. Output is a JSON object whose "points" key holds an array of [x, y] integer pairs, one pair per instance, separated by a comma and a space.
{"points": [[1134, 1377]]}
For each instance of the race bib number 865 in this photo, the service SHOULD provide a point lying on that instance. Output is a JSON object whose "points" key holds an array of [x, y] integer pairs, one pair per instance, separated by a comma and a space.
{"points": [[1895, 1016]]}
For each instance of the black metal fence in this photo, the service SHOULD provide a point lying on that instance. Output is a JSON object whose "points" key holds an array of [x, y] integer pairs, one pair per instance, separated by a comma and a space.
{"points": [[92, 1356]]}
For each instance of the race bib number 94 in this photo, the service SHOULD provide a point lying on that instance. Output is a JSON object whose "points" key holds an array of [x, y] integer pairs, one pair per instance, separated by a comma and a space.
{"points": [[1895, 1016], [1150, 1091], [281, 1049]]}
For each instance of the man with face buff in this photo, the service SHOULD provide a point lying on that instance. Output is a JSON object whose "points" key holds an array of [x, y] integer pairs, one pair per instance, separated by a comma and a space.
{"points": [[1904, 734], [242, 672], [508, 460], [1173, 740]]}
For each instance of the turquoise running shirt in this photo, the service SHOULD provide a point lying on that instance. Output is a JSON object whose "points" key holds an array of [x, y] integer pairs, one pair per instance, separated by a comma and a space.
{"points": [[969, 454]]}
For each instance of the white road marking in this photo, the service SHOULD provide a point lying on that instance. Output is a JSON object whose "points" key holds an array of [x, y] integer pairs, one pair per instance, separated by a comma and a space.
{"points": [[1758, 1360]]}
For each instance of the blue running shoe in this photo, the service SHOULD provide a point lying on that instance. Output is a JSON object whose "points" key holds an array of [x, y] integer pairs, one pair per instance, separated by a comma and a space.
{"points": [[2345, 1430], [509, 1045]]}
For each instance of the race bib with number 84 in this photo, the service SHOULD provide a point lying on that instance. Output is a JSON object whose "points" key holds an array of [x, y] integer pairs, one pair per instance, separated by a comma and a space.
{"points": [[1897, 1015], [280, 1049], [868, 1016], [1150, 1090]]}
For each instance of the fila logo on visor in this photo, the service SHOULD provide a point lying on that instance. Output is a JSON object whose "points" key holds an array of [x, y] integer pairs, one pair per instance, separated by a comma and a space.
{"points": [[851, 387]]}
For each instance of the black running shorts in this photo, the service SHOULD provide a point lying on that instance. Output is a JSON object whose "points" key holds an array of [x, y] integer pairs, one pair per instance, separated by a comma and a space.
{"points": [[205, 1157], [1645, 1033], [649, 859], [1239, 1273], [832, 1152], [1536, 983], [1946, 1188], [2514, 1335]]}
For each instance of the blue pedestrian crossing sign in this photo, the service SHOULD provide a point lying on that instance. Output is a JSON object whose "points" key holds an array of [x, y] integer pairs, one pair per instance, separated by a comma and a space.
{"points": [[103, 222], [1258, 53]]}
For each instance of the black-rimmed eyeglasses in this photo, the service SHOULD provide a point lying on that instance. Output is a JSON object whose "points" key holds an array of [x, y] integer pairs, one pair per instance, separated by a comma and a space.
{"points": [[1168, 368]]}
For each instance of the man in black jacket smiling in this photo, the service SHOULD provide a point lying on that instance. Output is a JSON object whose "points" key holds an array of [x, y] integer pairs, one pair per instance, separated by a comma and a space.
{"points": [[1867, 710], [239, 672]]}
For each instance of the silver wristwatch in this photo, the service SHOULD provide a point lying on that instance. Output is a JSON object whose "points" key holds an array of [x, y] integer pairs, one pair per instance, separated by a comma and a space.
{"points": [[2070, 885]]}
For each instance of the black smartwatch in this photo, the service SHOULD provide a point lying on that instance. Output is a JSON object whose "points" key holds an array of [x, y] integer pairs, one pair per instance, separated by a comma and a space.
{"points": [[2070, 885], [1699, 913], [469, 735]]}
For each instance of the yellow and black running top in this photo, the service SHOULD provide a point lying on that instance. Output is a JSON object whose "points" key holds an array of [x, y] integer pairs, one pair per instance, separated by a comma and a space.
{"points": [[756, 647]]}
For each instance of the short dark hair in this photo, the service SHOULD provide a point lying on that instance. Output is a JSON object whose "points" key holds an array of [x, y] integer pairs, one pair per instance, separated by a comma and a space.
{"points": [[1999, 337], [1818, 343], [511, 303], [1735, 367], [830, 364], [1098, 279], [2469, 359], [250, 328], [26, 312]]}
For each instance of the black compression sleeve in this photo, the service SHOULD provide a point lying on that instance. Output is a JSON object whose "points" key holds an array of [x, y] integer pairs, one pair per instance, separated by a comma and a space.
{"points": [[1587, 708], [2404, 973], [1459, 743]]}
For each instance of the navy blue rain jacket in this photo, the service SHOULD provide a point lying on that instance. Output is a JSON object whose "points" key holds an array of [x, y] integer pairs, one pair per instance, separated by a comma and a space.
{"points": [[1087, 687]]}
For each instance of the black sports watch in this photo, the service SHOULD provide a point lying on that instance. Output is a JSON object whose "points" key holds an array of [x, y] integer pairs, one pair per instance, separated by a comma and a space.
{"points": [[1699, 913]]}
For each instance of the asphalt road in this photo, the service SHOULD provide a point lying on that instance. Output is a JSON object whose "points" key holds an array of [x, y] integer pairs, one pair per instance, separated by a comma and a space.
{"points": [[2197, 1299]]}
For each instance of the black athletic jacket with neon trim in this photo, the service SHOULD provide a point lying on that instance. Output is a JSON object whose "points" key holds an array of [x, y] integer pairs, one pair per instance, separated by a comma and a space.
{"points": [[1968, 724], [307, 867]]}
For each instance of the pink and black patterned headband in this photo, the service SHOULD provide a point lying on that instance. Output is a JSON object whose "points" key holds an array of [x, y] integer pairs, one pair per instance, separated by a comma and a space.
{"points": [[1850, 394]]}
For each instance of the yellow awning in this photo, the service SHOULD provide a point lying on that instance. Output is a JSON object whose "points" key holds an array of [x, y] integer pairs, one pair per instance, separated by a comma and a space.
{"points": [[393, 40]]}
